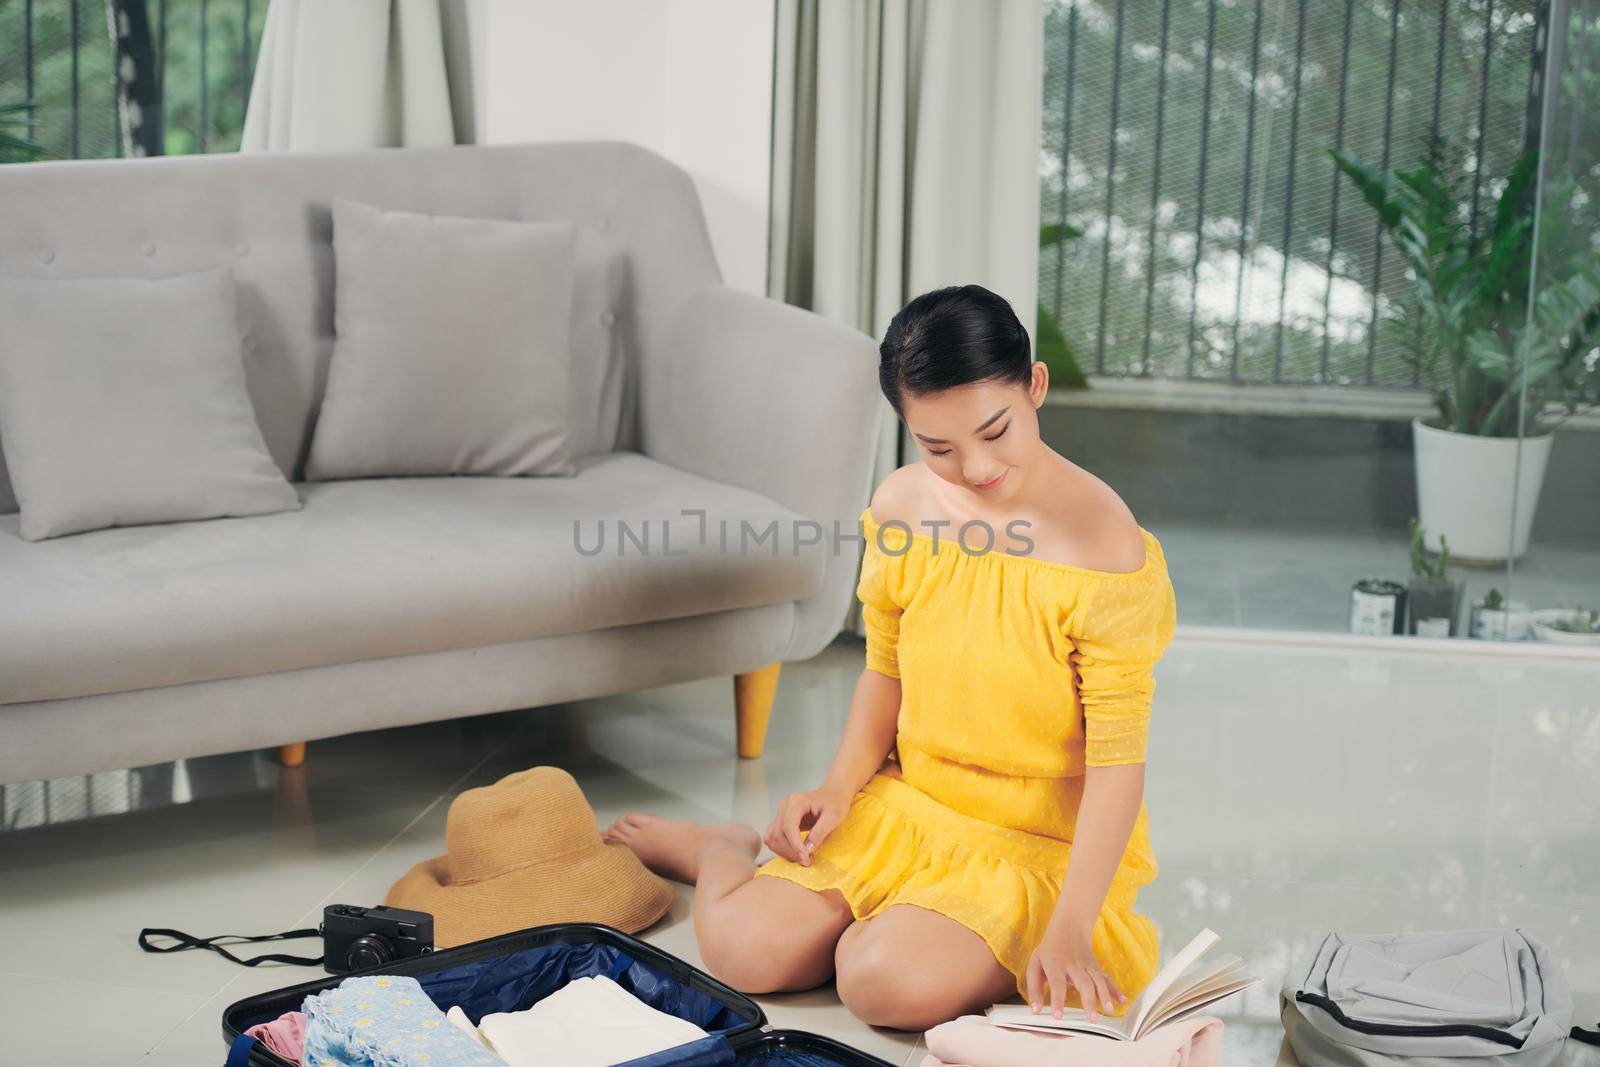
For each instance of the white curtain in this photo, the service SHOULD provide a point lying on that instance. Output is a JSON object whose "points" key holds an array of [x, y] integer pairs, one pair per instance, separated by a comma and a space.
{"points": [[335, 74], [905, 158]]}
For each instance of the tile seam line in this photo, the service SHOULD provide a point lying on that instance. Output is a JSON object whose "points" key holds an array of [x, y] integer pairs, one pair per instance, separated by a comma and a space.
{"points": [[99, 985], [1487, 899], [1338, 641]]}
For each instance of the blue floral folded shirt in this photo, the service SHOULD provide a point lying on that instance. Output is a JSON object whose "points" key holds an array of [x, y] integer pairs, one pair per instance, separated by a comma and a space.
{"points": [[385, 1021]]}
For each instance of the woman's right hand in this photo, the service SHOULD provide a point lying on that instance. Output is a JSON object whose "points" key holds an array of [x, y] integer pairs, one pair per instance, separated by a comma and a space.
{"points": [[816, 810]]}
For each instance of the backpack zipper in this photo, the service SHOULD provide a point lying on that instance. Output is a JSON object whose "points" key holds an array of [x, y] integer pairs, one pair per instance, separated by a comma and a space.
{"points": [[1488, 1033]]}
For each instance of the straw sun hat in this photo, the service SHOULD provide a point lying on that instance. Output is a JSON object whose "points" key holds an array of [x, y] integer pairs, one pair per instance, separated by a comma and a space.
{"points": [[525, 852]]}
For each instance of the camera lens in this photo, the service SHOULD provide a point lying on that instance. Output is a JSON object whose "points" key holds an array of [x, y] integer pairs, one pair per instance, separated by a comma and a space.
{"points": [[367, 951]]}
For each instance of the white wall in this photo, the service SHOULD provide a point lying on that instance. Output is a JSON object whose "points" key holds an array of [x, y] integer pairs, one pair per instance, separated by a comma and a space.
{"points": [[690, 79]]}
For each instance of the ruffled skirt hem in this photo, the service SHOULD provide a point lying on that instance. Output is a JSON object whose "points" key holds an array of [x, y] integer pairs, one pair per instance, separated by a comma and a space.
{"points": [[898, 845]]}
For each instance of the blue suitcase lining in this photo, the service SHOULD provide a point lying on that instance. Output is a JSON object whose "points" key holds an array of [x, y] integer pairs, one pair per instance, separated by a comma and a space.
{"points": [[522, 979], [716, 1052], [519, 980]]}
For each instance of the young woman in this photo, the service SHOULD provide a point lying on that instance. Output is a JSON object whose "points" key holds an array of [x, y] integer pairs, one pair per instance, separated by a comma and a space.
{"points": [[982, 830]]}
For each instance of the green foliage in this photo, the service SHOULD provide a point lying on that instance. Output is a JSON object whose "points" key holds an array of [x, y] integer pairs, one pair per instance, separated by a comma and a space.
{"points": [[1055, 352], [1581, 622], [1494, 600], [1148, 200], [1474, 336], [227, 74], [93, 131], [1423, 567], [1050, 344], [16, 133], [1051, 232]]}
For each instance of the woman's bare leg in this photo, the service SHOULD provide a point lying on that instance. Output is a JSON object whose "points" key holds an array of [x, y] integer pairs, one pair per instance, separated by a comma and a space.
{"points": [[911, 969], [759, 935]]}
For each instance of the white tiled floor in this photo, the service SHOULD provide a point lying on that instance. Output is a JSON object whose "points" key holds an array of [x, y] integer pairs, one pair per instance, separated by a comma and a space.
{"points": [[1292, 790]]}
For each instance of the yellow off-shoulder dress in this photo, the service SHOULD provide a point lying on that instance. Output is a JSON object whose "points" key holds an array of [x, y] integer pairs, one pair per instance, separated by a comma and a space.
{"points": [[1015, 675]]}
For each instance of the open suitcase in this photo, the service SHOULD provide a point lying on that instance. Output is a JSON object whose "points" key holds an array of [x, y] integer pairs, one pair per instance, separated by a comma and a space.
{"points": [[515, 971]]}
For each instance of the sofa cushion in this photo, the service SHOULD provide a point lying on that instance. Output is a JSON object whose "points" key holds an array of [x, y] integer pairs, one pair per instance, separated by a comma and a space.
{"points": [[368, 569], [267, 215], [122, 401], [452, 352]]}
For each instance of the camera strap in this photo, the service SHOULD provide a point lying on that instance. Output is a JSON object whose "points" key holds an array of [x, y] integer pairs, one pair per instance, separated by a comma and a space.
{"points": [[183, 942]]}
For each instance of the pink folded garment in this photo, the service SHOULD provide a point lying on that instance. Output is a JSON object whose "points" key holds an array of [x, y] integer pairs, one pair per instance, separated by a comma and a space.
{"points": [[285, 1035], [973, 1041]]}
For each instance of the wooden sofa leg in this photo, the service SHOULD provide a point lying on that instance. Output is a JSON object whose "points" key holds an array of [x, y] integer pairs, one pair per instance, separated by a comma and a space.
{"points": [[292, 755], [752, 701]]}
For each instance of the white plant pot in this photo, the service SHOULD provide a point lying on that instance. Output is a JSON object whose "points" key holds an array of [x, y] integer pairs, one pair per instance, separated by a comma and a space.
{"points": [[1465, 484], [1543, 631], [1509, 623]]}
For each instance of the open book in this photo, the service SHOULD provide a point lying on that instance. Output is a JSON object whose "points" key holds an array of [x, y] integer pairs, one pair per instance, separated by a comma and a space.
{"points": [[1183, 987]]}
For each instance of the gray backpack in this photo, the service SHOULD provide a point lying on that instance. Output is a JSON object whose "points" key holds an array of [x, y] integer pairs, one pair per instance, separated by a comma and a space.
{"points": [[1462, 998]]}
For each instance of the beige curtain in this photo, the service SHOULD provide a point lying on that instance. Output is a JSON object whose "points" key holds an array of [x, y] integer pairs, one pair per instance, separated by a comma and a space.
{"points": [[905, 157], [335, 74]]}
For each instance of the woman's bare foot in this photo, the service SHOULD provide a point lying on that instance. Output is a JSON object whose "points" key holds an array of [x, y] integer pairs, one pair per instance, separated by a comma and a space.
{"points": [[673, 848]]}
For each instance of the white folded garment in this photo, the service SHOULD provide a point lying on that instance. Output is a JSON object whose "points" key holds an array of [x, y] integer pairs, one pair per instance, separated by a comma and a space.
{"points": [[459, 1017], [589, 1022]]}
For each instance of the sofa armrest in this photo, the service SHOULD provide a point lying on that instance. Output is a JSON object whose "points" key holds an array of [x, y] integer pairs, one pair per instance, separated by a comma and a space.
{"points": [[772, 398]]}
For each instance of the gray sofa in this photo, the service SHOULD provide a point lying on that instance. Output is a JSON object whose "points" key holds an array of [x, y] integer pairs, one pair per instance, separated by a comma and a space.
{"points": [[392, 601]]}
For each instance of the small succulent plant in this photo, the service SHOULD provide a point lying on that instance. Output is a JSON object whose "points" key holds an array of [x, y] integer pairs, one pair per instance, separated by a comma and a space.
{"points": [[1426, 566], [1580, 622]]}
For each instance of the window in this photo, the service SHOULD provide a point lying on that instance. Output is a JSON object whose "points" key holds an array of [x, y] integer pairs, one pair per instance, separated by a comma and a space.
{"points": [[110, 78], [1188, 141]]}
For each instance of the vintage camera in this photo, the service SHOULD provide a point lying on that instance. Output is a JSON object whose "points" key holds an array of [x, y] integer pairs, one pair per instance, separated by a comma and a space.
{"points": [[354, 939]]}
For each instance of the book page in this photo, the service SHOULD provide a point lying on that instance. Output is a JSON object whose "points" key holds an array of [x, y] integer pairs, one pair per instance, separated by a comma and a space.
{"points": [[1073, 1020], [1179, 1016], [1227, 971], [1212, 990], [1143, 1006], [1201, 976], [1183, 1004], [1132, 1023]]}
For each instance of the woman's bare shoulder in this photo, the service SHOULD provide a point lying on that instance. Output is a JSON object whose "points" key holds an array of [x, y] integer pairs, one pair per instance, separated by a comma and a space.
{"points": [[1105, 534], [1090, 526], [901, 496]]}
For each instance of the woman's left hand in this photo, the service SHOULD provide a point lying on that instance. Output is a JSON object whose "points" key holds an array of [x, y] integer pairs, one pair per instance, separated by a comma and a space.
{"points": [[1065, 957]]}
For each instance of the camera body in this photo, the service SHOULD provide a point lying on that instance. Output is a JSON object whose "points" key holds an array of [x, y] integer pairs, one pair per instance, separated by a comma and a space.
{"points": [[356, 938]]}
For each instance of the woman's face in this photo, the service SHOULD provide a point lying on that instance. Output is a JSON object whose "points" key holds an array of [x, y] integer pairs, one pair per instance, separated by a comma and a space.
{"points": [[982, 437]]}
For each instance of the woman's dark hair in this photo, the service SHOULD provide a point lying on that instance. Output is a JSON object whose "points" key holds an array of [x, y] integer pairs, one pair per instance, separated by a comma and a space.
{"points": [[953, 336]]}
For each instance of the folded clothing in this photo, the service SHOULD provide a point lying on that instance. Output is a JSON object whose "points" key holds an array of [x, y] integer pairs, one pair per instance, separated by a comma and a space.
{"points": [[589, 1022], [285, 1035], [974, 1041], [384, 1021]]}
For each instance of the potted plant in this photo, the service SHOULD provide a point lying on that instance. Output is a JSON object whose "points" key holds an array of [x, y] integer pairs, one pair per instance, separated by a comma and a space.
{"points": [[1567, 626], [1468, 327], [16, 133], [1434, 600], [1377, 607], [1050, 344], [1495, 618]]}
